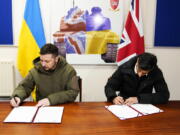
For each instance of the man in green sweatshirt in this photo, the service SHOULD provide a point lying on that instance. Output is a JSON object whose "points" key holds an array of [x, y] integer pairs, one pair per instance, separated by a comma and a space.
{"points": [[54, 79]]}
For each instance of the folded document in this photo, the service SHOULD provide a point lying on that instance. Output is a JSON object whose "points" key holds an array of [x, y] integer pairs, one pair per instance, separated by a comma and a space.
{"points": [[32, 114], [132, 111]]}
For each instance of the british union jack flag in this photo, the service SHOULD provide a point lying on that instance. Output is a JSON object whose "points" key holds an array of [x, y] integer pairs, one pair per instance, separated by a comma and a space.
{"points": [[132, 39]]}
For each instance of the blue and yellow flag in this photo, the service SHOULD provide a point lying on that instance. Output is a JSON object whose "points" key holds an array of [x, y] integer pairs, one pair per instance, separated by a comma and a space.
{"points": [[31, 38]]}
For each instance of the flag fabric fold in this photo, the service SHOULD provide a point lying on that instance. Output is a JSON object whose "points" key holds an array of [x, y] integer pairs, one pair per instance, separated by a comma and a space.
{"points": [[132, 39], [31, 37]]}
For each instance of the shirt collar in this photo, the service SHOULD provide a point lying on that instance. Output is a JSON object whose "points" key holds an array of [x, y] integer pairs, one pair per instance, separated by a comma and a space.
{"points": [[135, 68]]}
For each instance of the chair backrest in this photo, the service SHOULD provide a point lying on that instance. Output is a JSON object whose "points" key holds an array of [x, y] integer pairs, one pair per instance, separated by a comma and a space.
{"points": [[80, 88]]}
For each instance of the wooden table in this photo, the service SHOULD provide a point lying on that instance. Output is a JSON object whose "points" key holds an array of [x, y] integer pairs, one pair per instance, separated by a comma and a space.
{"points": [[91, 118]]}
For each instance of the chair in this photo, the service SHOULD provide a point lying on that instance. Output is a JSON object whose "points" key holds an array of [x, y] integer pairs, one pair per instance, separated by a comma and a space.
{"points": [[80, 88]]}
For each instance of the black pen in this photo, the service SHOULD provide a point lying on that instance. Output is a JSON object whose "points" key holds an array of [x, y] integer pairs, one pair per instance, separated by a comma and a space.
{"points": [[15, 99]]}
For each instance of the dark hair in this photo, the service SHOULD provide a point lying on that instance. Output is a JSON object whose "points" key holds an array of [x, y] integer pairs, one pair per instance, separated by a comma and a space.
{"points": [[147, 61], [49, 49]]}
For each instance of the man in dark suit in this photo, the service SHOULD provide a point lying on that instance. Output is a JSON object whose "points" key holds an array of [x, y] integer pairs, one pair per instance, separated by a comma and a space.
{"points": [[135, 81]]}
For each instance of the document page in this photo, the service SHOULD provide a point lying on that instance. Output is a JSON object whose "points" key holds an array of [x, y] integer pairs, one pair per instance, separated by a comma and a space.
{"points": [[146, 108], [122, 111], [21, 114], [49, 115], [135, 110]]}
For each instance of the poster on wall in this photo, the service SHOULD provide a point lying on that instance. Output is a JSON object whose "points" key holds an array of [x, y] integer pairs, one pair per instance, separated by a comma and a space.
{"points": [[88, 28], [6, 31]]}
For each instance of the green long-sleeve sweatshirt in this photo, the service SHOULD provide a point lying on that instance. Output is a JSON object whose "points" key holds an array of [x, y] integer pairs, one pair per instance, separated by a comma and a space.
{"points": [[59, 85]]}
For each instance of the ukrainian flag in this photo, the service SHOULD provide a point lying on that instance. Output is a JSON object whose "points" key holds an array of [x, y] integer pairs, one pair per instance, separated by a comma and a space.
{"points": [[31, 38]]}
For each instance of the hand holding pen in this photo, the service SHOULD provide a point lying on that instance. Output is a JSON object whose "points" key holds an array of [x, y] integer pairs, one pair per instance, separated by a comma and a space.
{"points": [[118, 100], [15, 101]]}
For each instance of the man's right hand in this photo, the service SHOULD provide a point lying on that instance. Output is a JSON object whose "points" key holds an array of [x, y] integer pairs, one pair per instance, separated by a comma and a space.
{"points": [[15, 101], [118, 100]]}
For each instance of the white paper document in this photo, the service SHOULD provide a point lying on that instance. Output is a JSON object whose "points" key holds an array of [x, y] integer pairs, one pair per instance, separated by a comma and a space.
{"points": [[146, 109], [49, 115], [31, 114], [132, 111]]}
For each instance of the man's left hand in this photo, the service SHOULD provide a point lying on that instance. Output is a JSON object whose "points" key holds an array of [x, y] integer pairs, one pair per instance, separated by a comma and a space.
{"points": [[131, 100], [43, 102]]}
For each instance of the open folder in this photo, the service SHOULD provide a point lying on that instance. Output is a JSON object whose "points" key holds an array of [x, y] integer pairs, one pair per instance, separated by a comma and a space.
{"points": [[132, 111], [32, 114]]}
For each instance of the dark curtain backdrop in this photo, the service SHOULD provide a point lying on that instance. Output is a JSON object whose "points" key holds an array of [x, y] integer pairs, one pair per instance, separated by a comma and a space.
{"points": [[6, 31], [167, 27]]}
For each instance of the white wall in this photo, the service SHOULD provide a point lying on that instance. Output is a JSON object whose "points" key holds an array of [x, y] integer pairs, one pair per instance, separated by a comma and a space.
{"points": [[95, 76]]}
